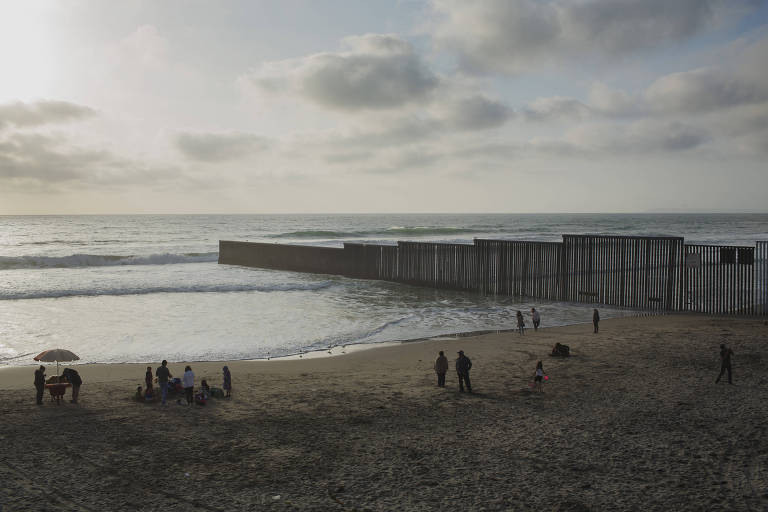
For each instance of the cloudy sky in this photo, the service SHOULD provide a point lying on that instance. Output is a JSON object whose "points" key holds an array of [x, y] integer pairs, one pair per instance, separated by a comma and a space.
{"points": [[383, 106]]}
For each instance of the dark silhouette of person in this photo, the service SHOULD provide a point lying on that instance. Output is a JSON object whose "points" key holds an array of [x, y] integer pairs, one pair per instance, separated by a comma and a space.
{"points": [[725, 363], [463, 365], [40, 383], [73, 378], [520, 323], [595, 319], [441, 368], [148, 378]]}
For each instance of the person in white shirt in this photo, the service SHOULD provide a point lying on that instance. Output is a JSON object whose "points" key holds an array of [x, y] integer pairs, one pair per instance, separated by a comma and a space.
{"points": [[188, 381], [536, 319]]}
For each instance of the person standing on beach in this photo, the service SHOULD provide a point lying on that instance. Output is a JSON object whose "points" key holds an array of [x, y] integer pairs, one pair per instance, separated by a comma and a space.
{"points": [[538, 377], [40, 383], [73, 378], [163, 374], [227, 385], [441, 367], [595, 319], [463, 365], [536, 318], [148, 379], [725, 363], [188, 381], [520, 323]]}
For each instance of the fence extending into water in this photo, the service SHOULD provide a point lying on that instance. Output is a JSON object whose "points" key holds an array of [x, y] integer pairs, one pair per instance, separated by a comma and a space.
{"points": [[645, 273]]}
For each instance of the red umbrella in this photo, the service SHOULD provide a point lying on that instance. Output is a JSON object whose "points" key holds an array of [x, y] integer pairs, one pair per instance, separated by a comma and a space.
{"points": [[56, 354]]}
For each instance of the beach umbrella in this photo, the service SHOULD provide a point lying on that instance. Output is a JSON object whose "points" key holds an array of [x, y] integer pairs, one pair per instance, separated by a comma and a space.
{"points": [[56, 354]]}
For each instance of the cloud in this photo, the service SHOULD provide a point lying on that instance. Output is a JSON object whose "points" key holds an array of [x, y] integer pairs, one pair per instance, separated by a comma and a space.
{"points": [[641, 137], [219, 147], [23, 115], [703, 90], [513, 36], [477, 112], [375, 72], [556, 107]]}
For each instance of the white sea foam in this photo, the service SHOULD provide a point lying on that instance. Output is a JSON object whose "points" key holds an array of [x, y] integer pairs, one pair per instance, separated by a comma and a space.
{"points": [[102, 260]]}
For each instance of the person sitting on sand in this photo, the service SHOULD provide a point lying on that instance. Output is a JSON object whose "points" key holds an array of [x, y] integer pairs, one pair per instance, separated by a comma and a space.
{"points": [[538, 377], [205, 389], [227, 385], [520, 323], [139, 395], [441, 367], [463, 365], [148, 378], [188, 381], [725, 363]]}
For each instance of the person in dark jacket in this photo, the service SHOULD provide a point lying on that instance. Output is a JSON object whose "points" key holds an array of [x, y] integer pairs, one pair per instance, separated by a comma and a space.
{"points": [[148, 378], [40, 383], [725, 363], [73, 378], [463, 365], [595, 318], [441, 368]]}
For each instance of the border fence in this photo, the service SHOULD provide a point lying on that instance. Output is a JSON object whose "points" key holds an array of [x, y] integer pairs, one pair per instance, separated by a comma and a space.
{"points": [[644, 273]]}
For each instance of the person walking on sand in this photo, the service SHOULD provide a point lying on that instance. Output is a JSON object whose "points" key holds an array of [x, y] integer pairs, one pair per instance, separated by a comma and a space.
{"points": [[536, 318], [538, 377], [725, 363], [463, 365], [40, 383], [227, 384], [520, 323], [595, 319], [163, 374], [188, 381], [441, 367]]}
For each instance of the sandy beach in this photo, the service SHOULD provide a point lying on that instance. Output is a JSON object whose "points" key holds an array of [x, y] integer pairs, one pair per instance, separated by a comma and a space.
{"points": [[632, 421]]}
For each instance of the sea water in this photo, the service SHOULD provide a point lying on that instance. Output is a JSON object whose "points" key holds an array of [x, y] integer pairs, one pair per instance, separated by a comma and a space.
{"points": [[148, 287]]}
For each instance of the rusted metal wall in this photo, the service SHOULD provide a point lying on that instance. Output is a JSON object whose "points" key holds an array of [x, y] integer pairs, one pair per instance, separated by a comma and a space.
{"points": [[646, 273]]}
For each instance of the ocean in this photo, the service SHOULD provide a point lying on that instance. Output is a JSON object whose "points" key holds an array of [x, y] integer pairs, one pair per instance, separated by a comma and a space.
{"points": [[142, 288]]}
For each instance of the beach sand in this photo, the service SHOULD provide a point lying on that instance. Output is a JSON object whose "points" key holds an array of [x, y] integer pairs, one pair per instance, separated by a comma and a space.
{"points": [[632, 421]]}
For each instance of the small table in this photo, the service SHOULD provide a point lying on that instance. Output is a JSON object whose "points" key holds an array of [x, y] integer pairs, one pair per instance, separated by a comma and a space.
{"points": [[57, 390]]}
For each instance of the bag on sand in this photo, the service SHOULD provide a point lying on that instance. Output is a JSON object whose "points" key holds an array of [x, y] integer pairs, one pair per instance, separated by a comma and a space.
{"points": [[560, 350], [199, 399]]}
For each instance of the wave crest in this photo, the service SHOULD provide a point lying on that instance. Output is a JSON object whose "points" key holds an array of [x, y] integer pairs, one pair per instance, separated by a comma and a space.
{"points": [[103, 260]]}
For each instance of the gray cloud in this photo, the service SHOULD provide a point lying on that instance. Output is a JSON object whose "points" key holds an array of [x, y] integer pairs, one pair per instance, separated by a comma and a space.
{"points": [[477, 113], [219, 147], [557, 107], [377, 72], [22, 115], [37, 160], [511, 36], [703, 90]]}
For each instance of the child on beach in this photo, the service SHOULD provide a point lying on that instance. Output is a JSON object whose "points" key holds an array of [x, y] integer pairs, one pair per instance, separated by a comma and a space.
{"points": [[538, 377], [520, 323], [148, 378], [189, 384], [227, 385]]}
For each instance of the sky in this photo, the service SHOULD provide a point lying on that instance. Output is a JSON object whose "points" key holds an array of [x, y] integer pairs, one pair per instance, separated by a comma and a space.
{"points": [[294, 106]]}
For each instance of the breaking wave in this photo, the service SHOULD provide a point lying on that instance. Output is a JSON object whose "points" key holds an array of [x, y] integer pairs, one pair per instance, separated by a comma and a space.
{"points": [[101, 260], [213, 288]]}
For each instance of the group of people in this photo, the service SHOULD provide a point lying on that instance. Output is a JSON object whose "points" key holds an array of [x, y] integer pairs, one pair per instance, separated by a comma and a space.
{"points": [[464, 364], [69, 375], [163, 379], [535, 318]]}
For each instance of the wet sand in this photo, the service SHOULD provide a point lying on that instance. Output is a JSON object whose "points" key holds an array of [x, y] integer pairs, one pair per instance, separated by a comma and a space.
{"points": [[632, 421]]}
